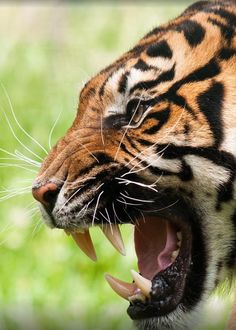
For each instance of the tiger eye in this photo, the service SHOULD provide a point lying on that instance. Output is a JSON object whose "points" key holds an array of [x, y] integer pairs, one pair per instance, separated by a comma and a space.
{"points": [[139, 111]]}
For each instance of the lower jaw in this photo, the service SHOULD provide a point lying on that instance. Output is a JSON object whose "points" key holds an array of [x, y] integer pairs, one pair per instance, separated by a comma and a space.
{"points": [[168, 289]]}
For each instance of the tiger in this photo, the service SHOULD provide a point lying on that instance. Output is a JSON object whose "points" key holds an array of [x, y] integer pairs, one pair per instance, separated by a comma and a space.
{"points": [[153, 144]]}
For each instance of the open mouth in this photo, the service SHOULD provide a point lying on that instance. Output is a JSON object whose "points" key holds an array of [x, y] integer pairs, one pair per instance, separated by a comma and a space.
{"points": [[164, 256]]}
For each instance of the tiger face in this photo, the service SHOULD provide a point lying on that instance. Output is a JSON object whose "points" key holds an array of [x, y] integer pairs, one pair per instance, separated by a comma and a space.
{"points": [[154, 144]]}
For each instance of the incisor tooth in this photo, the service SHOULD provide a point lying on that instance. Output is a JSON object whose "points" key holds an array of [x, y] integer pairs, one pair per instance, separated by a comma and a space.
{"points": [[179, 235], [112, 232], [142, 283], [67, 232], [83, 240], [174, 255], [123, 289], [138, 296]]}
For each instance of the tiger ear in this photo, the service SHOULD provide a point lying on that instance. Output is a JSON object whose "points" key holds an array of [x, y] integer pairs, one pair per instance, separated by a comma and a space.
{"points": [[232, 319]]}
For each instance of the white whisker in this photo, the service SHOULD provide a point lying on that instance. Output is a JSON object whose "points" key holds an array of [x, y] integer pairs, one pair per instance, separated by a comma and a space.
{"points": [[101, 128], [109, 220], [19, 166], [163, 208], [96, 206], [127, 203], [22, 157], [51, 131], [18, 124], [70, 197], [127, 182], [18, 140], [137, 199], [114, 210], [85, 208], [83, 146]]}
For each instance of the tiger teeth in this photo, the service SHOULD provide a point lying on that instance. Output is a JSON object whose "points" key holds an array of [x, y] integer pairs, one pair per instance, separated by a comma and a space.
{"points": [[123, 289], [179, 235], [67, 232], [142, 283], [138, 296], [174, 255], [112, 233], [83, 240]]}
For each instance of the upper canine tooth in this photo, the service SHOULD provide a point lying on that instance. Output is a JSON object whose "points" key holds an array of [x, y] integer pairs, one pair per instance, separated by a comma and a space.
{"points": [[83, 240], [123, 289], [112, 232], [142, 283]]}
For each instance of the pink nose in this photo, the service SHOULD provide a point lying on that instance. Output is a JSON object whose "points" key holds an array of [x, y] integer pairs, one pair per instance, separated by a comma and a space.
{"points": [[46, 194]]}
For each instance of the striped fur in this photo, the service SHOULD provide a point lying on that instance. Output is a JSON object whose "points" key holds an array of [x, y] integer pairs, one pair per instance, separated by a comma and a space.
{"points": [[165, 114]]}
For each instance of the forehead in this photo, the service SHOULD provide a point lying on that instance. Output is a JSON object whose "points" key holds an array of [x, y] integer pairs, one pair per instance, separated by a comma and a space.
{"points": [[131, 74]]}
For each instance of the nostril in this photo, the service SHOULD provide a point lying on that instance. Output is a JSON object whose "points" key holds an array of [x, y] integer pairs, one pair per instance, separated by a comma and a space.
{"points": [[46, 194]]}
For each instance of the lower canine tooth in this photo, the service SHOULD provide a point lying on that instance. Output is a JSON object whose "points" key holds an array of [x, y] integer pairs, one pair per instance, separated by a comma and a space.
{"points": [[142, 283], [123, 289]]}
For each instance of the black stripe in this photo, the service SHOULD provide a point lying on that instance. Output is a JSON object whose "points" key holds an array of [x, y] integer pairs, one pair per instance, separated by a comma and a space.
{"points": [[197, 6], [115, 66], [227, 53], [145, 143], [228, 16], [186, 173], [210, 104], [221, 158], [143, 66], [161, 117], [225, 192], [123, 147], [100, 178], [209, 70], [115, 121], [123, 83], [179, 100], [155, 31], [102, 160], [165, 76], [193, 32], [226, 31], [231, 259], [160, 48], [131, 142]]}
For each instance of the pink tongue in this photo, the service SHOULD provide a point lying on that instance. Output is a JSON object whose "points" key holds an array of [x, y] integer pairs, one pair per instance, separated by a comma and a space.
{"points": [[155, 240]]}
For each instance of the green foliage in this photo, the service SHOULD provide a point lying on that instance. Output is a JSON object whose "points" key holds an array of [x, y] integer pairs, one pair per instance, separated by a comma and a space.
{"points": [[46, 53]]}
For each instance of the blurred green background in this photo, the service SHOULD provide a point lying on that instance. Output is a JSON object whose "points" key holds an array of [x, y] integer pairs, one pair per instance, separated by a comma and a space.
{"points": [[47, 52]]}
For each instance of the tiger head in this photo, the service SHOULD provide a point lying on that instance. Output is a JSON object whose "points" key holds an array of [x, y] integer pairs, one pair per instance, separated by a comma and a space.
{"points": [[154, 144]]}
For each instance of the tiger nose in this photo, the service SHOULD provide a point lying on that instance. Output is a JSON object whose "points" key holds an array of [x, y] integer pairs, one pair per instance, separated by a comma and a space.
{"points": [[46, 194]]}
